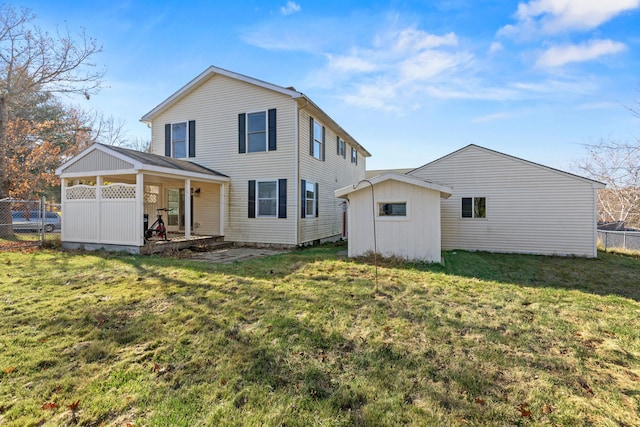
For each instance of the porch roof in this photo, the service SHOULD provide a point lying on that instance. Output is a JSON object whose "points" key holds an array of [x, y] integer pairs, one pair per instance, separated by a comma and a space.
{"points": [[100, 159]]}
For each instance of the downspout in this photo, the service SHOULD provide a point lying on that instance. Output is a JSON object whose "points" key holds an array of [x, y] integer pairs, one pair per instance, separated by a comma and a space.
{"points": [[296, 185]]}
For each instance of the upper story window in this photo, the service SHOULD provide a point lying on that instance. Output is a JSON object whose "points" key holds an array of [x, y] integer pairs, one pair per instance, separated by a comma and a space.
{"points": [[354, 156], [342, 147], [316, 148], [257, 131], [474, 207], [180, 139]]}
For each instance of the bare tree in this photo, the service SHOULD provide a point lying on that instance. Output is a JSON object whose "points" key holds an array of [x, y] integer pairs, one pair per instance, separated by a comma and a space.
{"points": [[33, 62], [616, 164]]}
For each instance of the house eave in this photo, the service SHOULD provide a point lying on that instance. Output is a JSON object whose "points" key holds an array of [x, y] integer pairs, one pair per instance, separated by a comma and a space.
{"points": [[206, 74], [445, 192]]}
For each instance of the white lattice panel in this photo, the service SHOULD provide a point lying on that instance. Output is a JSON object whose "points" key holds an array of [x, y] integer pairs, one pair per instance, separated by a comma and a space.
{"points": [[119, 191], [80, 192], [150, 198]]}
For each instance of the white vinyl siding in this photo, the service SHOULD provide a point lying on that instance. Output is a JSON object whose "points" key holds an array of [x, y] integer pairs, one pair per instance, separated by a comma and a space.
{"points": [[330, 175], [530, 208], [215, 105]]}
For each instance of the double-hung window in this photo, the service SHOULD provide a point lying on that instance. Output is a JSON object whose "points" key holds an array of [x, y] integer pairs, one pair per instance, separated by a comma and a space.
{"points": [[267, 198], [180, 139], [256, 132], [342, 151], [474, 207], [354, 156], [310, 199], [316, 148]]}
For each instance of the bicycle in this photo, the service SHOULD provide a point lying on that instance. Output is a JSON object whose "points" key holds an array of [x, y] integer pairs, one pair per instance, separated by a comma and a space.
{"points": [[158, 228]]}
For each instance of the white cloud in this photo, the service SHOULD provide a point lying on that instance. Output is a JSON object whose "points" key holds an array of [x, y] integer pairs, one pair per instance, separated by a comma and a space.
{"points": [[495, 47], [554, 16], [290, 7], [393, 72], [557, 56], [493, 117]]}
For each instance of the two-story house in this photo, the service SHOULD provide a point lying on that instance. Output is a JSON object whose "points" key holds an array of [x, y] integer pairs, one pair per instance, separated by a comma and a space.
{"points": [[259, 163]]}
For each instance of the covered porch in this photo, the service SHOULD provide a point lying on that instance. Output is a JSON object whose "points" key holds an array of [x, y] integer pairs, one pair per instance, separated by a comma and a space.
{"points": [[110, 194]]}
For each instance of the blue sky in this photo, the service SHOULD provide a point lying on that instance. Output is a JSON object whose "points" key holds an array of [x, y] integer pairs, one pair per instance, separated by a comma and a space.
{"points": [[410, 80]]}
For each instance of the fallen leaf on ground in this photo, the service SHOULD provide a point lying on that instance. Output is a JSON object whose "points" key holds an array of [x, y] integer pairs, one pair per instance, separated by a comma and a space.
{"points": [[9, 369], [524, 412], [49, 405]]}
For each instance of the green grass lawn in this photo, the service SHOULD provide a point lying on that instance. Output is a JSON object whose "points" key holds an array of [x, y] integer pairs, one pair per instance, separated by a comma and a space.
{"points": [[303, 339]]}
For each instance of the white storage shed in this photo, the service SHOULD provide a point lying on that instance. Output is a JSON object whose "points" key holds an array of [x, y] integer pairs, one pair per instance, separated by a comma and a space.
{"points": [[395, 215]]}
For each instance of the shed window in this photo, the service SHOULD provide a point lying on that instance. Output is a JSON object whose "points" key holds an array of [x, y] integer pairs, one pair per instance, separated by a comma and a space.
{"points": [[474, 207], [392, 209]]}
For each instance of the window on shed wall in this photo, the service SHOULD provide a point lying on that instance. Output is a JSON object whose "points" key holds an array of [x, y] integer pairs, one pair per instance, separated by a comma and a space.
{"points": [[392, 209], [474, 207]]}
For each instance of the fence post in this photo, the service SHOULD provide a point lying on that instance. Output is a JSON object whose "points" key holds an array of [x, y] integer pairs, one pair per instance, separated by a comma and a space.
{"points": [[43, 217], [624, 239]]}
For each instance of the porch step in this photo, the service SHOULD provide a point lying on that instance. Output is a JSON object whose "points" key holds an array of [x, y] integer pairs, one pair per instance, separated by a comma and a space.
{"points": [[203, 243]]}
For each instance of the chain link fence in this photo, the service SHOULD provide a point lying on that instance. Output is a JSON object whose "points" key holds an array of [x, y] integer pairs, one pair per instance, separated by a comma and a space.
{"points": [[619, 239], [26, 223]]}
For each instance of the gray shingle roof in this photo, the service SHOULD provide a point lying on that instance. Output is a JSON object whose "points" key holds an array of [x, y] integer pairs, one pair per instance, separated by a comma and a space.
{"points": [[162, 161]]}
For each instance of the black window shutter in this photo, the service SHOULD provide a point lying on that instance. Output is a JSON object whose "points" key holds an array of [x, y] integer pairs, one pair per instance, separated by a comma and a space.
{"points": [[338, 145], [282, 198], [242, 142], [272, 130], [317, 194], [252, 199], [311, 127], [167, 140], [323, 144], [303, 205], [192, 138]]}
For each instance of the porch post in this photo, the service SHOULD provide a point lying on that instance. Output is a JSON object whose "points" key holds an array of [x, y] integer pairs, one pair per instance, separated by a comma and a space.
{"points": [[99, 207], [187, 208], [223, 187], [139, 209], [63, 200]]}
